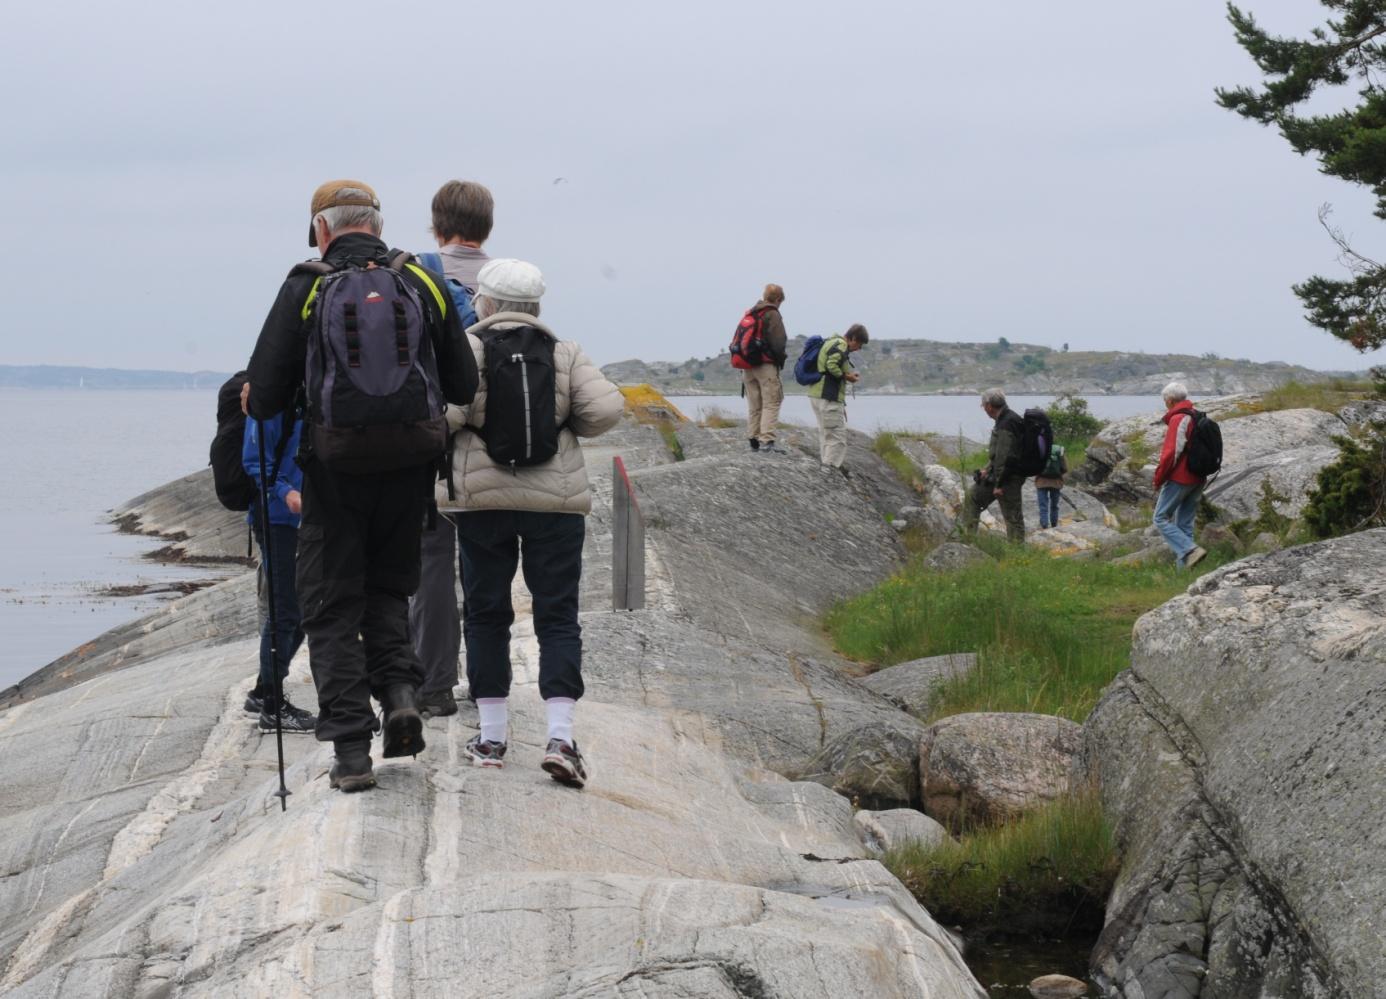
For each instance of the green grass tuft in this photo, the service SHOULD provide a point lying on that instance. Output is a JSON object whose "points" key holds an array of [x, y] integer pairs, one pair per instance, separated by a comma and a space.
{"points": [[1052, 866], [1050, 633], [1329, 396], [887, 445]]}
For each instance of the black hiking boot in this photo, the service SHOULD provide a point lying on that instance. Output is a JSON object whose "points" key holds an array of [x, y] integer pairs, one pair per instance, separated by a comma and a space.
{"points": [[351, 770], [439, 704], [755, 443], [254, 703], [403, 723]]}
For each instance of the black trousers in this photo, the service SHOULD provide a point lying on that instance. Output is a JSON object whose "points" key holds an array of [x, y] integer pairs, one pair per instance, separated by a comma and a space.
{"points": [[547, 547], [358, 562]]}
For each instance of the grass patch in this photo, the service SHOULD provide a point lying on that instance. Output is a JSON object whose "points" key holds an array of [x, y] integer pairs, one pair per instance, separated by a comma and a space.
{"points": [[717, 419], [887, 446], [1330, 396], [1138, 450], [1053, 868], [1049, 633], [671, 439]]}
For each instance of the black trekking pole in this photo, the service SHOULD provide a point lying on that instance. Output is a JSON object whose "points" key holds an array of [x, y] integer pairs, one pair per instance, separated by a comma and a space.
{"points": [[283, 793]]}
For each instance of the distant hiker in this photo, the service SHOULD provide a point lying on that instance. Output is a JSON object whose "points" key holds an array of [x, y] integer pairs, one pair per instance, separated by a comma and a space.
{"points": [[828, 395], [1048, 483], [1177, 489], [520, 488], [759, 350], [463, 212], [382, 348], [286, 504], [1002, 479]]}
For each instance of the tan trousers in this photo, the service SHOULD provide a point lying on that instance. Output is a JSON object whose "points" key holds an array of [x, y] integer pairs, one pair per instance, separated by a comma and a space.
{"points": [[764, 394], [832, 431]]}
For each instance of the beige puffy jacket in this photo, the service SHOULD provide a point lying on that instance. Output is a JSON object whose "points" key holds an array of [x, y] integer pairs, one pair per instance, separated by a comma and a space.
{"points": [[589, 403]]}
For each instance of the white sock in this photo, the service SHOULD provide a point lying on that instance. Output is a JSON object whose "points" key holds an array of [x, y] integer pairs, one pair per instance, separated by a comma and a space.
{"points": [[560, 712], [495, 718]]}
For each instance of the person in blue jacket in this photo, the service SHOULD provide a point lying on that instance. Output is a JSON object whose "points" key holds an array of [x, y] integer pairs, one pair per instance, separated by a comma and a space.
{"points": [[285, 508]]}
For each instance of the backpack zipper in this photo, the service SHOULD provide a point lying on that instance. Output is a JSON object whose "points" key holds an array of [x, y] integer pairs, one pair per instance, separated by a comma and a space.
{"points": [[524, 378]]}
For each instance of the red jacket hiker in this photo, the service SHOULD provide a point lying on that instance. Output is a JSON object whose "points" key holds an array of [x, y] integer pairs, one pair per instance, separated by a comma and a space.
{"points": [[1174, 455]]}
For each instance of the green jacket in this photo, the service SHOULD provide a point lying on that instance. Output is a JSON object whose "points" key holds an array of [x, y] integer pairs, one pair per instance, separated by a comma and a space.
{"points": [[1003, 451], [833, 360]]}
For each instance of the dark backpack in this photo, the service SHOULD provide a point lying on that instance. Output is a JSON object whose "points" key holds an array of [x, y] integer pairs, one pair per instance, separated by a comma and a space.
{"points": [[375, 403], [521, 396], [235, 488], [1204, 446], [748, 346], [1036, 441], [806, 367], [461, 294], [1054, 467]]}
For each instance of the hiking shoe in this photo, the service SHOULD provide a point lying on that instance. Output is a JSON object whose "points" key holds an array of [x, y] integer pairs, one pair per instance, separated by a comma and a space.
{"points": [[295, 720], [755, 443], [254, 703], [1194, 557], [403, 723], [484, 753], [773, 448], [565, 764], [438, 705], [351, 770]]}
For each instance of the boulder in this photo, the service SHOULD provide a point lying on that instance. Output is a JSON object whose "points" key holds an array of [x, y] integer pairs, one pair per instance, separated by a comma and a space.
{"points": [[988, 767], [1151, 554], [1239, 759], [911, 685], [1057, 987], [1363, 411], [896, 827], [953, 555], [876, 766], [1237, 490]]}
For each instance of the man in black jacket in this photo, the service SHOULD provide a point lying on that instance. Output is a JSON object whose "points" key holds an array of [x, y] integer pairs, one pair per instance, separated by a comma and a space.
{"points": [[1001, 479], [358, 554]]}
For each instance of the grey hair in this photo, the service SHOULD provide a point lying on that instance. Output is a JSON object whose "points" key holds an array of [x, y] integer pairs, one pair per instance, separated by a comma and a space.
{"points": [[995, 398], [486, 306], [1175, 392], [353, 216]]}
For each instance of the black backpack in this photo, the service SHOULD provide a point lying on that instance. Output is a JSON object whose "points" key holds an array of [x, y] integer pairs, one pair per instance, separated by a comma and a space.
{"points": [[1036, 439], [1204, 447], [521, 396], [235, 488]]}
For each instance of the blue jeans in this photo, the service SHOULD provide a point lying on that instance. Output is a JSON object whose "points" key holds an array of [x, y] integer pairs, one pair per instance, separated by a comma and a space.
{"points": [[548, 546], [284, 539], [1175, 508], [1048, 506]]}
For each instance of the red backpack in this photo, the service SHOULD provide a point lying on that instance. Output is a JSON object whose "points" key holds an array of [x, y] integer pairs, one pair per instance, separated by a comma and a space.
{"points": [[748, 347]]}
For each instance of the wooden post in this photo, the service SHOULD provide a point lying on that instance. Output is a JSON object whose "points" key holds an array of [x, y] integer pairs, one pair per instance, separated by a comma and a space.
{"points": [[627, 542]]}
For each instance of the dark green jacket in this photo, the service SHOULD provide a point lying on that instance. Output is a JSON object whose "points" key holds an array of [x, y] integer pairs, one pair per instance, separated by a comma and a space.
{"points": [[833, 360], [1003, 451]]}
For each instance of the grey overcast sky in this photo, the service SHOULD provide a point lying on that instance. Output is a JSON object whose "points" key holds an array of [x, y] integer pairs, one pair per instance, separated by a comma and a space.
{"points": [[1049, 173]]}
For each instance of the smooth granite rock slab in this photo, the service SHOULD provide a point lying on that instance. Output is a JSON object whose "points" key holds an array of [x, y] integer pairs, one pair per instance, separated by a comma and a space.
{"points": [[1241, 759], [910, 685]]}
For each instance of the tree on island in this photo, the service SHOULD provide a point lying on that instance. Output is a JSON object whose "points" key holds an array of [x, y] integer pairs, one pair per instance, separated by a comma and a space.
{"points": [[1350, 143]]}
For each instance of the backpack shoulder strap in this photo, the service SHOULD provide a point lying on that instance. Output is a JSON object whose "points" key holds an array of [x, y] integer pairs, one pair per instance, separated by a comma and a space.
{"points": [[319, 269], [406, 260], [398, 258]]}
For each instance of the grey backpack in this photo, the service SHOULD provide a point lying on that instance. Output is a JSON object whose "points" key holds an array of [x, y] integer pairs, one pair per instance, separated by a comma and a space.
{"points": [[375, 403]]}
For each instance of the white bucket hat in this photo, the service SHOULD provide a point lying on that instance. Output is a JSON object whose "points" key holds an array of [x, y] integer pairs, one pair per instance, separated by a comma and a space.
{"points": [[508, 280]]}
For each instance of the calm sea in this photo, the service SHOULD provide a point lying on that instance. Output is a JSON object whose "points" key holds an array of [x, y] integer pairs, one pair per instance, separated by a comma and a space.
{"points": [[71, 456]]}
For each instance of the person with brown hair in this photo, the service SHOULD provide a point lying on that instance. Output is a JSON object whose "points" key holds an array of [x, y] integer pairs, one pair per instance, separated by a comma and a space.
{"points": [[463, 213], [828, 395], [761, 382]]}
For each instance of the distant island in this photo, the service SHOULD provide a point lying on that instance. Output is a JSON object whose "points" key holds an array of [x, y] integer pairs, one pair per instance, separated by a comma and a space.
{"points": [[929, 367], [50, 376]]}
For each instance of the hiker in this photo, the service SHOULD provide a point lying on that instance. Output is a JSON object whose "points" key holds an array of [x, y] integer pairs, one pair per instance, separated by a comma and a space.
{"points": [[1002, 479], [1048, 484], [383, 348], [521, 494], [828, 395], [1177, 489], [286, 503], [463, 212], [760, 380]]}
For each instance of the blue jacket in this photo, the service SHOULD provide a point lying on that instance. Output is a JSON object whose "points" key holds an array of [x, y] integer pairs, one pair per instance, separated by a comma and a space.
{"points": [[290, 475]]}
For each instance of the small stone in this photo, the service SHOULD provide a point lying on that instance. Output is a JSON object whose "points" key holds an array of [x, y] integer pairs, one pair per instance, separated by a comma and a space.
{"points": [[885, 830], [1057, 987]]}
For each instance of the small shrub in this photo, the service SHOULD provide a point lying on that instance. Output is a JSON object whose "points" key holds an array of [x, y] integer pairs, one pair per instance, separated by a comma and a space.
{"points": [[1029, 364], [887, 446], [716, 419], [1054, 865], [1138, 451], [1072, 422], [1330, 396], [1350, 494], [698, 376], [1268, 519]]}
